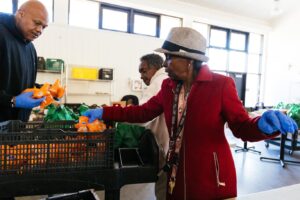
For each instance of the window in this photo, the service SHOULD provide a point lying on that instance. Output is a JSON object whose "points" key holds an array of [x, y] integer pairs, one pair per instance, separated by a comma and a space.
{"points": [[114, 19], [100, 15], [145, 24], [253, 63], [218, 38], [6, 6], [255, 43], [237, 61], [128, 20], [252, 89], [217, 59], [84, 14], [238, 41], [201, 28], [48, 4], [167, 23], [233, 51]]}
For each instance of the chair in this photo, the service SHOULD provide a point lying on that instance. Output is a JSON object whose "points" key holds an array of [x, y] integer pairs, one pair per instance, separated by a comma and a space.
{"points": [[281, 158], [245, 148]]}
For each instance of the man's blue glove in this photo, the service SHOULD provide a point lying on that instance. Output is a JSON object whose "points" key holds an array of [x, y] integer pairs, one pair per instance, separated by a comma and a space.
{"points": [[93, 114], [272, 121], [25, 100]]}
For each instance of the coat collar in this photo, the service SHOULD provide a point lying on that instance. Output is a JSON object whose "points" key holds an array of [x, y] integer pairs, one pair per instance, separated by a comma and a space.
{"points": [[204, 74]]}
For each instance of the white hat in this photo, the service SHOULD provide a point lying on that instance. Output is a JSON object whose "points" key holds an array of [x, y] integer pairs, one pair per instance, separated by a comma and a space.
{"points": [[185, 42]]}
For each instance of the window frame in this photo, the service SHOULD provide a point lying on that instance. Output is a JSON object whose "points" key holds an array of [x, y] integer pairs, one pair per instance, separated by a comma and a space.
{"points": [[114, 8], [227, 37], [130, 21], [147, 14], [246, 40], [131, 12], [161, 19], [246, 51]]}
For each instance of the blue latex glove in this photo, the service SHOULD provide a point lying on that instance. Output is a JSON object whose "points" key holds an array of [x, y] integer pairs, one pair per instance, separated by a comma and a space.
{"points": [[272, 121], [25, 100], [93, 114]]}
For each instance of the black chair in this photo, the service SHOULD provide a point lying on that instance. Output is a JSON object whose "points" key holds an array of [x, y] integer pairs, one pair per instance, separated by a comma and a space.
{"points": [[245, 148], [281, 158]]}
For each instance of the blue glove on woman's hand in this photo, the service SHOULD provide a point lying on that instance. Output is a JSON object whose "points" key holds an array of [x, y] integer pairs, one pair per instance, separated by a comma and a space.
{"points": [[25, 100], [93, 114], [272, 121]]}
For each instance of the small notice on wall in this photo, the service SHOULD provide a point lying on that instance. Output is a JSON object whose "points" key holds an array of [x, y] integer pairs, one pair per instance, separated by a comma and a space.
{"points": [[136, 84]]}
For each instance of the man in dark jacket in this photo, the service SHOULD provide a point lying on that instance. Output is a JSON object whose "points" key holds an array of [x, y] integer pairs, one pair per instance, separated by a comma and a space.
{"points": [[18, 59]]}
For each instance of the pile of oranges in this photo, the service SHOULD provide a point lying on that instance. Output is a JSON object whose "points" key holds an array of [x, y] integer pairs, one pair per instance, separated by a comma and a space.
{"points": [[72, 151], [51, 92], [83, 125]]}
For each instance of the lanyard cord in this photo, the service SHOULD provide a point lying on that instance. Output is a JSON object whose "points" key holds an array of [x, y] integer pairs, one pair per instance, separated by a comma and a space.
{"points": [[175, 130], [175, 139]]}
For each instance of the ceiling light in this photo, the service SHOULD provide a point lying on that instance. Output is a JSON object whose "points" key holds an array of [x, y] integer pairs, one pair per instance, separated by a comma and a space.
{"points": [[276, 8]]}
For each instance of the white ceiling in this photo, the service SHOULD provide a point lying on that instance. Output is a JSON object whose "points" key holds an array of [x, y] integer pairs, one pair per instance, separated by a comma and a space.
{"points": [[257, 9]]}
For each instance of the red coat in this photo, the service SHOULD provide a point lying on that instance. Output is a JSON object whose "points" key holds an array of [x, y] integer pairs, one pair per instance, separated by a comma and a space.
{"points": [[213, 100]]}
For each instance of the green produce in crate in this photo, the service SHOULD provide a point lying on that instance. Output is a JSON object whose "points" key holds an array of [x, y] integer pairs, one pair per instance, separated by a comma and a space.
{"points": [[294, 113], [58, 113], [293, 110], [82, 108], [127, 135]]}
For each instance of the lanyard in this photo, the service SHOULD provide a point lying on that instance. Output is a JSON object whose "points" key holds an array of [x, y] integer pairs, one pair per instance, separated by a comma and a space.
{"points": [[175, 139], [175, 130]]}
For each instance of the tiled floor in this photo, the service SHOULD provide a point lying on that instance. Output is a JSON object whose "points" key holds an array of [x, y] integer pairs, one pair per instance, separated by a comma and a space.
{"points": [[253, 175]]}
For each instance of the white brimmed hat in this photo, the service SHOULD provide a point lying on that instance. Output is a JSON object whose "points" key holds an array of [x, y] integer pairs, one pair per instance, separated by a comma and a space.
{"points": [[185, 42]]}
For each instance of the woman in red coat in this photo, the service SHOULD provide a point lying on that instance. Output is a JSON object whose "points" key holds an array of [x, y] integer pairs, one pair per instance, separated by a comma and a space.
{"points": [[197, 103]]}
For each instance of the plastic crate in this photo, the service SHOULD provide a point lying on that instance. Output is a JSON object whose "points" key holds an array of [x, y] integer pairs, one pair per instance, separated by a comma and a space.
{"points": [[73, 106], [81, 195], [40, 147], [106, 74], [54, 64], [41, 63], [21, 127], [84, 73]]}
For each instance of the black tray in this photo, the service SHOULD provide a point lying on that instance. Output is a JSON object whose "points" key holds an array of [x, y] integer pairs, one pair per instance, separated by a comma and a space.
{"points": [[97, 169], [37, 147]]}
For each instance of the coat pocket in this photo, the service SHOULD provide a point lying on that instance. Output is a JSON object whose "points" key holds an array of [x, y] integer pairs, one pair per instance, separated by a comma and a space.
{"points": [[217, 171]]}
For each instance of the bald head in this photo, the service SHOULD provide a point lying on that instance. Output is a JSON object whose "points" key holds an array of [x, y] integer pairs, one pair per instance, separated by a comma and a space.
{"points": [[31, 19]]}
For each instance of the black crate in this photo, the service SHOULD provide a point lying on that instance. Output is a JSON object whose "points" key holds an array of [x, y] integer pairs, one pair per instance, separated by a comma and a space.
{"points": [[73, 106], [54, 64], [106, 74], [41, 63], [130, 157], [52, 147], [81, 195], [19, 126]]}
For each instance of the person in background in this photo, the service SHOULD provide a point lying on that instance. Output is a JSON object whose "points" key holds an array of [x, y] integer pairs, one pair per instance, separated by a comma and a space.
{"points": [[18, 59], [197, 103], [153, 73], [130, 100], [128, 135]]}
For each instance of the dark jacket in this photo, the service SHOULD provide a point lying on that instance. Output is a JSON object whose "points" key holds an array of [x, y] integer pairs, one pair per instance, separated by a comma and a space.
{"points": [[18, 68]]}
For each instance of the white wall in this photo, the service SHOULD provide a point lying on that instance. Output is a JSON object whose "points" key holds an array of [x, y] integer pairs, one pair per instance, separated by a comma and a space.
{"points": [[122, 51], [283, 62]]}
